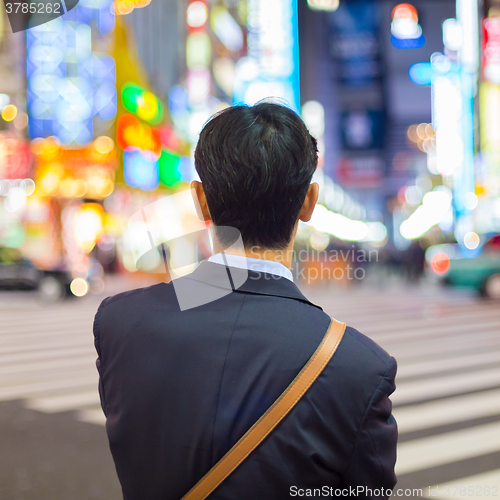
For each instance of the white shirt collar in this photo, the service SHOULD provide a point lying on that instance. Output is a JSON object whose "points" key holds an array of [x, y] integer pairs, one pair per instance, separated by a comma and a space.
{"points": [[259, 265]]}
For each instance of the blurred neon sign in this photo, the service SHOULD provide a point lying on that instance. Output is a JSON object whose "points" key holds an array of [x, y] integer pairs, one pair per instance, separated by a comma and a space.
{"points": [[124, 7], [447, 122], [70, 85], [169, 168], [467, 17], [198, 50], [15, 158], [421, 73], [406, 33], [226, 28], [197, 14], [272, 65], [198, 78], [489, 97], [88, 226], [131, 133], [327, 5], [140, 169], [142, 103], [491, 52], [453, 121]]}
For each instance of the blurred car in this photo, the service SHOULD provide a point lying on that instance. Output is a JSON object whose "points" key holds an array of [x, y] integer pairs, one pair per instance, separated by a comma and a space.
{"points": [[481, 271], [19, 273]]}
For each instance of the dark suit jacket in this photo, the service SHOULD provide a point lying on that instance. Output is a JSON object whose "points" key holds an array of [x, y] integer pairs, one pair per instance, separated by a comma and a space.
{"points": [[179, 388]]}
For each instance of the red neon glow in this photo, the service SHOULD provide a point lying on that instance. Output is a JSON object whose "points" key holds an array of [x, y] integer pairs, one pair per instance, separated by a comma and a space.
{"points": [[130, 132], [491, 49], [440, 263], [404, 11]]}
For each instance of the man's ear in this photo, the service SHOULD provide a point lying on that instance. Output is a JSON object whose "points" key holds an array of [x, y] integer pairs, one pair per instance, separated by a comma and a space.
{"points": [[201, 202], [309, 203]]}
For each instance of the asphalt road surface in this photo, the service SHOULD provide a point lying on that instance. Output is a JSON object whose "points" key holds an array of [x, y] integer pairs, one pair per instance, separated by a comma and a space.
{"points": [[447, 403]]}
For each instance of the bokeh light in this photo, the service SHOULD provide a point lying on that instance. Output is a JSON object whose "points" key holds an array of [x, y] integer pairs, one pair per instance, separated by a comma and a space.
{"points": [[326, 5], [440, 263], [9, 112], [197, 14], [470, 201], [21, 121], [104, 145], [79, 287], [471, 240]]}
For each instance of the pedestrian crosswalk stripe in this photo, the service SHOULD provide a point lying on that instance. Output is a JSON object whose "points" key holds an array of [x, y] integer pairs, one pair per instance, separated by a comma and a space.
{"points": [[419, 390], [48, 375], [23, 391], [447, 411], [95, 416], [431, 349], [46, 333], [53, 404], [445, 448], [426, 367], [420, 325], [428, 333], [53, 345], [45, 355], [50, 364], [476, 487], [56, 320], [38, 337], [398, 307]]}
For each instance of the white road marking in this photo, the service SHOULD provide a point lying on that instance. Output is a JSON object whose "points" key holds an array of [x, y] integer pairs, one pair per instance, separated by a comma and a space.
{"points": [[476, 487], [447, 448], [447, 411]]}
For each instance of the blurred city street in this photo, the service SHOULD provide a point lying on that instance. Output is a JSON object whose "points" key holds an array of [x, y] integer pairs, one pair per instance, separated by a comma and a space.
{"points": [[447, 401], [102, 103]]}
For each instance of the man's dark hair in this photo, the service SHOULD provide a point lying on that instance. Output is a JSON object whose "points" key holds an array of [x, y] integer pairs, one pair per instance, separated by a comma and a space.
{"points": [[256, 164]]}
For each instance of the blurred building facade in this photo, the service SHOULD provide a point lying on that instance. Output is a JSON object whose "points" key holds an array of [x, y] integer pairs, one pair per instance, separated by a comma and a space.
{"points": [[160, 36], [361, 78], [102, 107]]}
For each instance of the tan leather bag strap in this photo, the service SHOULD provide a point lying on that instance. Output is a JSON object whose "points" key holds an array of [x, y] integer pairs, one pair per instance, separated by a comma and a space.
{"points": [[279, 409]]}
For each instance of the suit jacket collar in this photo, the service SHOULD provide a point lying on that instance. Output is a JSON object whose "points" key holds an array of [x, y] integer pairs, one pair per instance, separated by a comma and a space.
{"points": [[256, 283]]}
